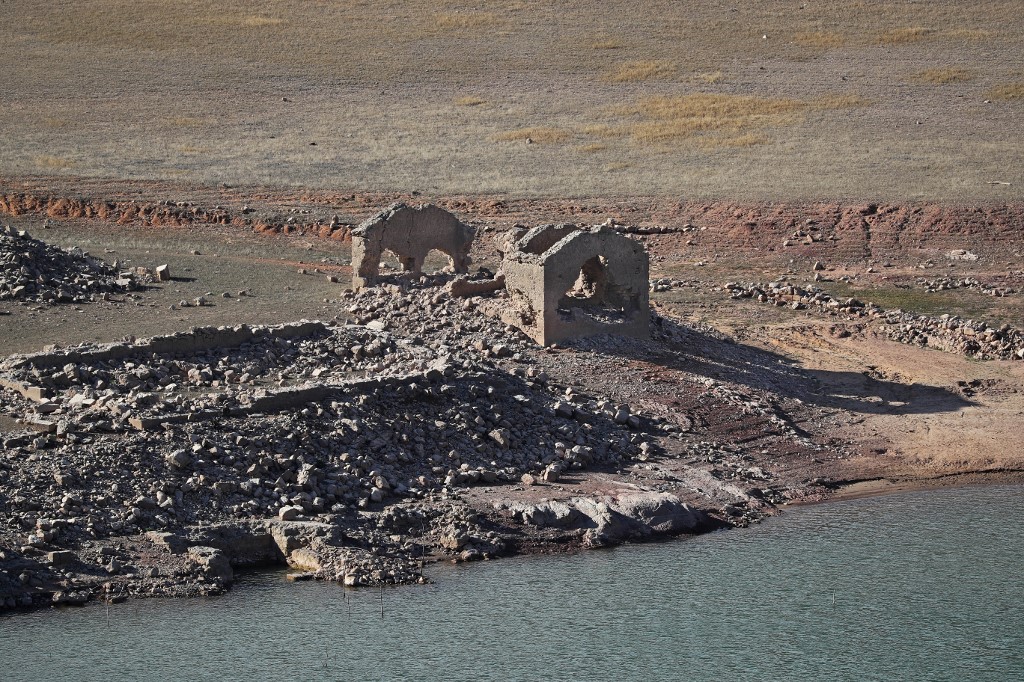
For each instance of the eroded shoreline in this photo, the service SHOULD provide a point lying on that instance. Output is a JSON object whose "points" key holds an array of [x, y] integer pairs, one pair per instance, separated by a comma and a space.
{"points": [[729, 412]]}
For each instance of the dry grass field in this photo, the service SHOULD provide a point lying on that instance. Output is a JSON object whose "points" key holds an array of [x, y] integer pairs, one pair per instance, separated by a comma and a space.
{"points": [[773, 100]]}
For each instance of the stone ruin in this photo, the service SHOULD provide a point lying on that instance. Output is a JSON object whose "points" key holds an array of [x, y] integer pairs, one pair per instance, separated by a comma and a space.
{"points": [[562, 281], [410, 233], [565, 282]]}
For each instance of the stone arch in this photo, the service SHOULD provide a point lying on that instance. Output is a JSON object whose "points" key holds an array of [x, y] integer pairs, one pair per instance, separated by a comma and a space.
{"points": [[411, 233], [437, 260]]}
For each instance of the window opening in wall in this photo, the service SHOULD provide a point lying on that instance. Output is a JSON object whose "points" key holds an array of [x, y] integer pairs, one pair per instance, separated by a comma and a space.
{"points": [[590, 286]]}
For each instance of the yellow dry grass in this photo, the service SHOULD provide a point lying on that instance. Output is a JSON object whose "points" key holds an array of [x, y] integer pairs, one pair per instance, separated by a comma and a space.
{"points": [[735, 141], [225, 21], [604, 130], [838, 101], [1007, 91], [260, 22], [715, 120], [668, 119], [592, 148], [398, 72], [942, 76], [969, 33], [901, 36], [535, 134], [52, 162], [709, 77], [636, 72]]}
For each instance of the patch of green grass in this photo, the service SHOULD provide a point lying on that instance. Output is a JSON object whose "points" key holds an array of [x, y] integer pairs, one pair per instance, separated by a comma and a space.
{"points": [[916, 300]]}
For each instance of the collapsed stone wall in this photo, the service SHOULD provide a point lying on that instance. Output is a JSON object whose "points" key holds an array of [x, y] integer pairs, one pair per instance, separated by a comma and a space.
{"points": [[192, 341], [564, 282], [949, 333], [410, 233]]}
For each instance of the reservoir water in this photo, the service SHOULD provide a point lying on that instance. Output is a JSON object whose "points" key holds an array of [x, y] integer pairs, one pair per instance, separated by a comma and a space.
{"points": [[918, 586]]}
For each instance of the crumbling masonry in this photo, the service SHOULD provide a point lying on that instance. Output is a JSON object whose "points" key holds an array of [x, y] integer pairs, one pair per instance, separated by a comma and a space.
{"points": [[410, 233], [565, 282]]}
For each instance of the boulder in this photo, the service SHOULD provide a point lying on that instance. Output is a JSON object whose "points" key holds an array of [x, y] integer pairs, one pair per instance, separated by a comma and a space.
{"points": [[289, 513], [61, 558], [661, 512], [213, 562]]}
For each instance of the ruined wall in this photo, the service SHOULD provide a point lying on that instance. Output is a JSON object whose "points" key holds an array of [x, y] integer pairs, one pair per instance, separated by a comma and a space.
{"points": [[564, 282], [410, 233]]}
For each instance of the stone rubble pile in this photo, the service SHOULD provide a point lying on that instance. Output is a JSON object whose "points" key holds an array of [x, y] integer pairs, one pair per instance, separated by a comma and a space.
{"points": [[102, 393], [625, 228], [950, 283], [337, 425], [785, 294], [949, 333], [668, 284], [956, 335], [32, 270], [449, 326]]}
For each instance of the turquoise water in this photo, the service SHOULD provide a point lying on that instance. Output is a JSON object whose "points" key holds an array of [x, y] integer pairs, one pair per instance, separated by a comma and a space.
{"points": [[923, 586]]}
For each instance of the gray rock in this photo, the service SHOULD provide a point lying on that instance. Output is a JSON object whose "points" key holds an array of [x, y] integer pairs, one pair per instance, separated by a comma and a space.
{"points": [[565, 409], [502, 437], [179, 459], [289, 513], [213, 562], [551, 473]]}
